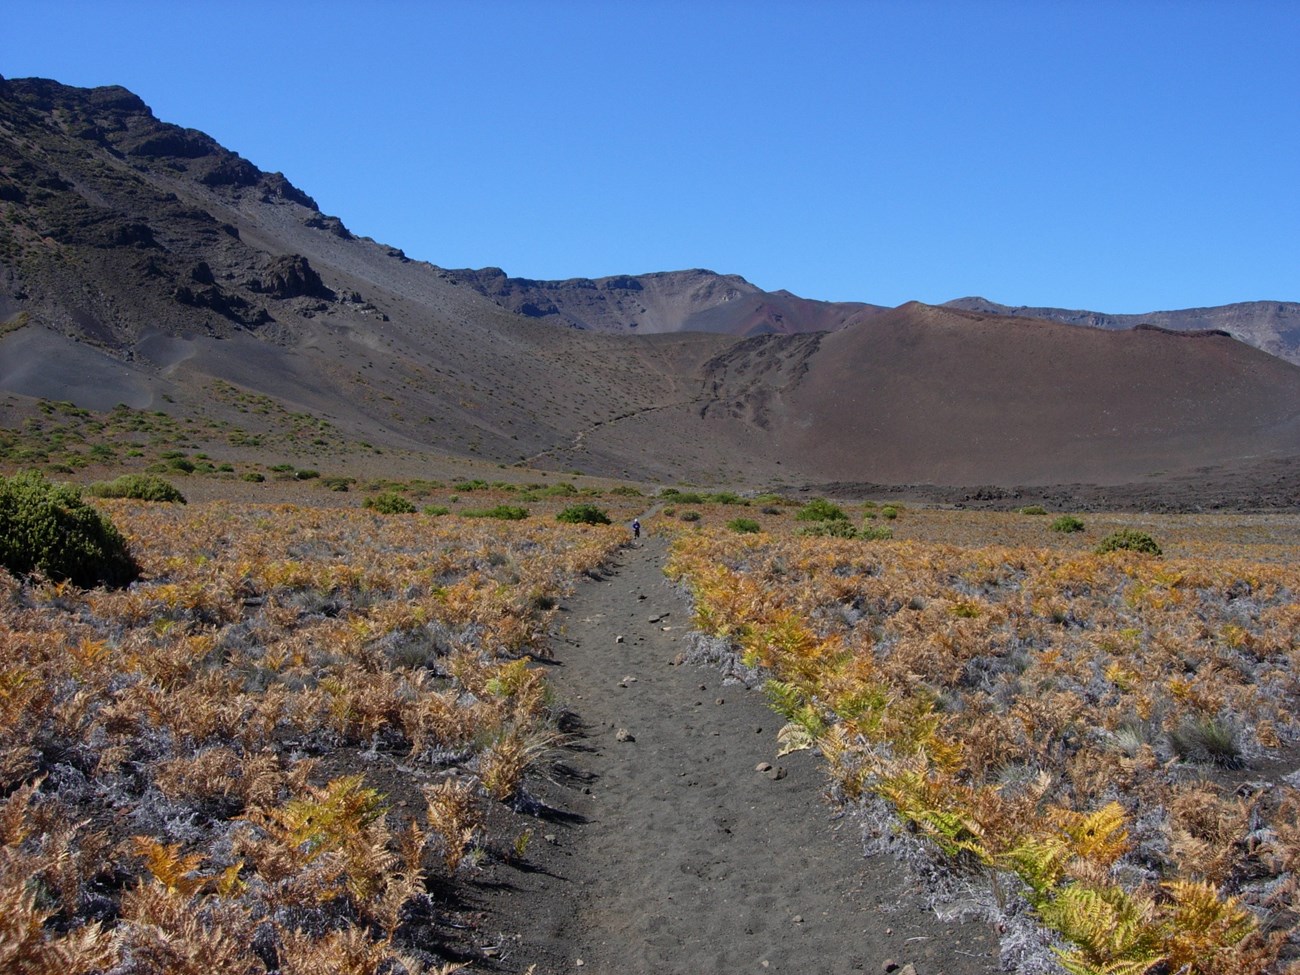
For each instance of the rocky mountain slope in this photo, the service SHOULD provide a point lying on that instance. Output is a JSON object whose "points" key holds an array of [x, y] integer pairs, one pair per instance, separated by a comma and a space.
{"points": [[142, 263], [1273, 326], [668, 301]]}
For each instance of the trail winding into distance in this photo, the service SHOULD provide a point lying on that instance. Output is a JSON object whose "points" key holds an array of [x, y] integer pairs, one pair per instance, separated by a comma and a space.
{"points": [[668, 851]]}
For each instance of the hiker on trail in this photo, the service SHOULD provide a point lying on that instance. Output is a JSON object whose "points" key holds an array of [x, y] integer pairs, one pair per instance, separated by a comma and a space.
{"points": [[636, 527]]}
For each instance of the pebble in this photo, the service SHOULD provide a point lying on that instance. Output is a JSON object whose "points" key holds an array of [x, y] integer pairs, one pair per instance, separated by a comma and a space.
{"points": [[551, 838], [763, 767], [776, 773], [624, 735], [890, 965], [618, 639], [720, 701], [797, 919]]}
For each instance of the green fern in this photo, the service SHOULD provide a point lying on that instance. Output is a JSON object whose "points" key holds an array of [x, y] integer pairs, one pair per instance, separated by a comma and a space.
{"points": [[1114, 930]]}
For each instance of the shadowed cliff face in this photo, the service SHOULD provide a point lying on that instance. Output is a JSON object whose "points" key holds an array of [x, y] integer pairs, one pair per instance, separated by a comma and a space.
{"points": [[144, 264]]}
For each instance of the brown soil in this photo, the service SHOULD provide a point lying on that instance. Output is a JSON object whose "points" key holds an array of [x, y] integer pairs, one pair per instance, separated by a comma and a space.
{"points": [[669, 851]]}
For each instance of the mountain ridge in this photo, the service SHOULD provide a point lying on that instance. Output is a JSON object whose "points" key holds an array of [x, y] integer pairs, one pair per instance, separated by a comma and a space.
{"points": [[1273, 326], [142, 263]]}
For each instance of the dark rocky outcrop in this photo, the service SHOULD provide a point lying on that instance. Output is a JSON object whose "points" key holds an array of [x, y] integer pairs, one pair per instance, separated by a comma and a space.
{"points": [[292, 276]]}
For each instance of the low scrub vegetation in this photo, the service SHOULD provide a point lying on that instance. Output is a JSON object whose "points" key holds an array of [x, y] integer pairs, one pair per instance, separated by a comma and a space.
{"points": [[1064, 728], [1067, 524], [1129, 540], [186, 765], [819, 509], [140, 487], [504, 512], [583, 514], [389, 503]]}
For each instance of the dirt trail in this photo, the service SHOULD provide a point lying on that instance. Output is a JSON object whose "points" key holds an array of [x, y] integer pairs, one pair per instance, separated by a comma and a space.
{"points": [[666, 851]]}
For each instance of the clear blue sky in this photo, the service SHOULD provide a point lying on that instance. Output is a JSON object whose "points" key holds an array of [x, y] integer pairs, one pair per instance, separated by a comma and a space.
{"points": [[1119, 156]]}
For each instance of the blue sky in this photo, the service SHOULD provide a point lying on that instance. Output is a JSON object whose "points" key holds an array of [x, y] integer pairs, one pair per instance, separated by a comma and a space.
{"points": [[1118, 156]]}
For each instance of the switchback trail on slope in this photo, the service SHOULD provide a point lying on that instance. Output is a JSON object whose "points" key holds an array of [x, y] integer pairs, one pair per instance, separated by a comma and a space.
{"points": [[666, 850]]}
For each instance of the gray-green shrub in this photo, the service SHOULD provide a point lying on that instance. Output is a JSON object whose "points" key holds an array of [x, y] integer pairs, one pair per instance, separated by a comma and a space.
{"points": [[506, 512], [819, 509], [1130, 539], [1067, 524], [389, 503], [139, 487]]}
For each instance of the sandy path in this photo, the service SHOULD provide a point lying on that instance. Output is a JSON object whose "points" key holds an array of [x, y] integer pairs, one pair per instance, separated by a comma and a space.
{"points": [[669, 852]]}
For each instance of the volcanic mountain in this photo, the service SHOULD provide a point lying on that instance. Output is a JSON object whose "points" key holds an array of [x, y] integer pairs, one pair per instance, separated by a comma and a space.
{"points": [[142, 263], [1273, 326], [668, 301]]}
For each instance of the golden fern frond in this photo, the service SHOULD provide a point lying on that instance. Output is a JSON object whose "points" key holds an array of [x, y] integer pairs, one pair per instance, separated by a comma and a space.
{"points": [[931, 805], [168, 867], [1110, 926], [1040, 862], [1099, 836], [227, 883], [1202, 926]]}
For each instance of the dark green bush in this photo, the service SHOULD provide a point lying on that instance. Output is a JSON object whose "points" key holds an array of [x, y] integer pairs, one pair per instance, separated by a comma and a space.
{"points": [[1033, 509], [436, 510], [47, 527], [819, 509], [583, 514], [745, 526], [870, 533], [1130, 539], [889, 512], [690, 516], [1067, 524], [253, 476], [389, 503], [141, 487], [506, 512]]}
